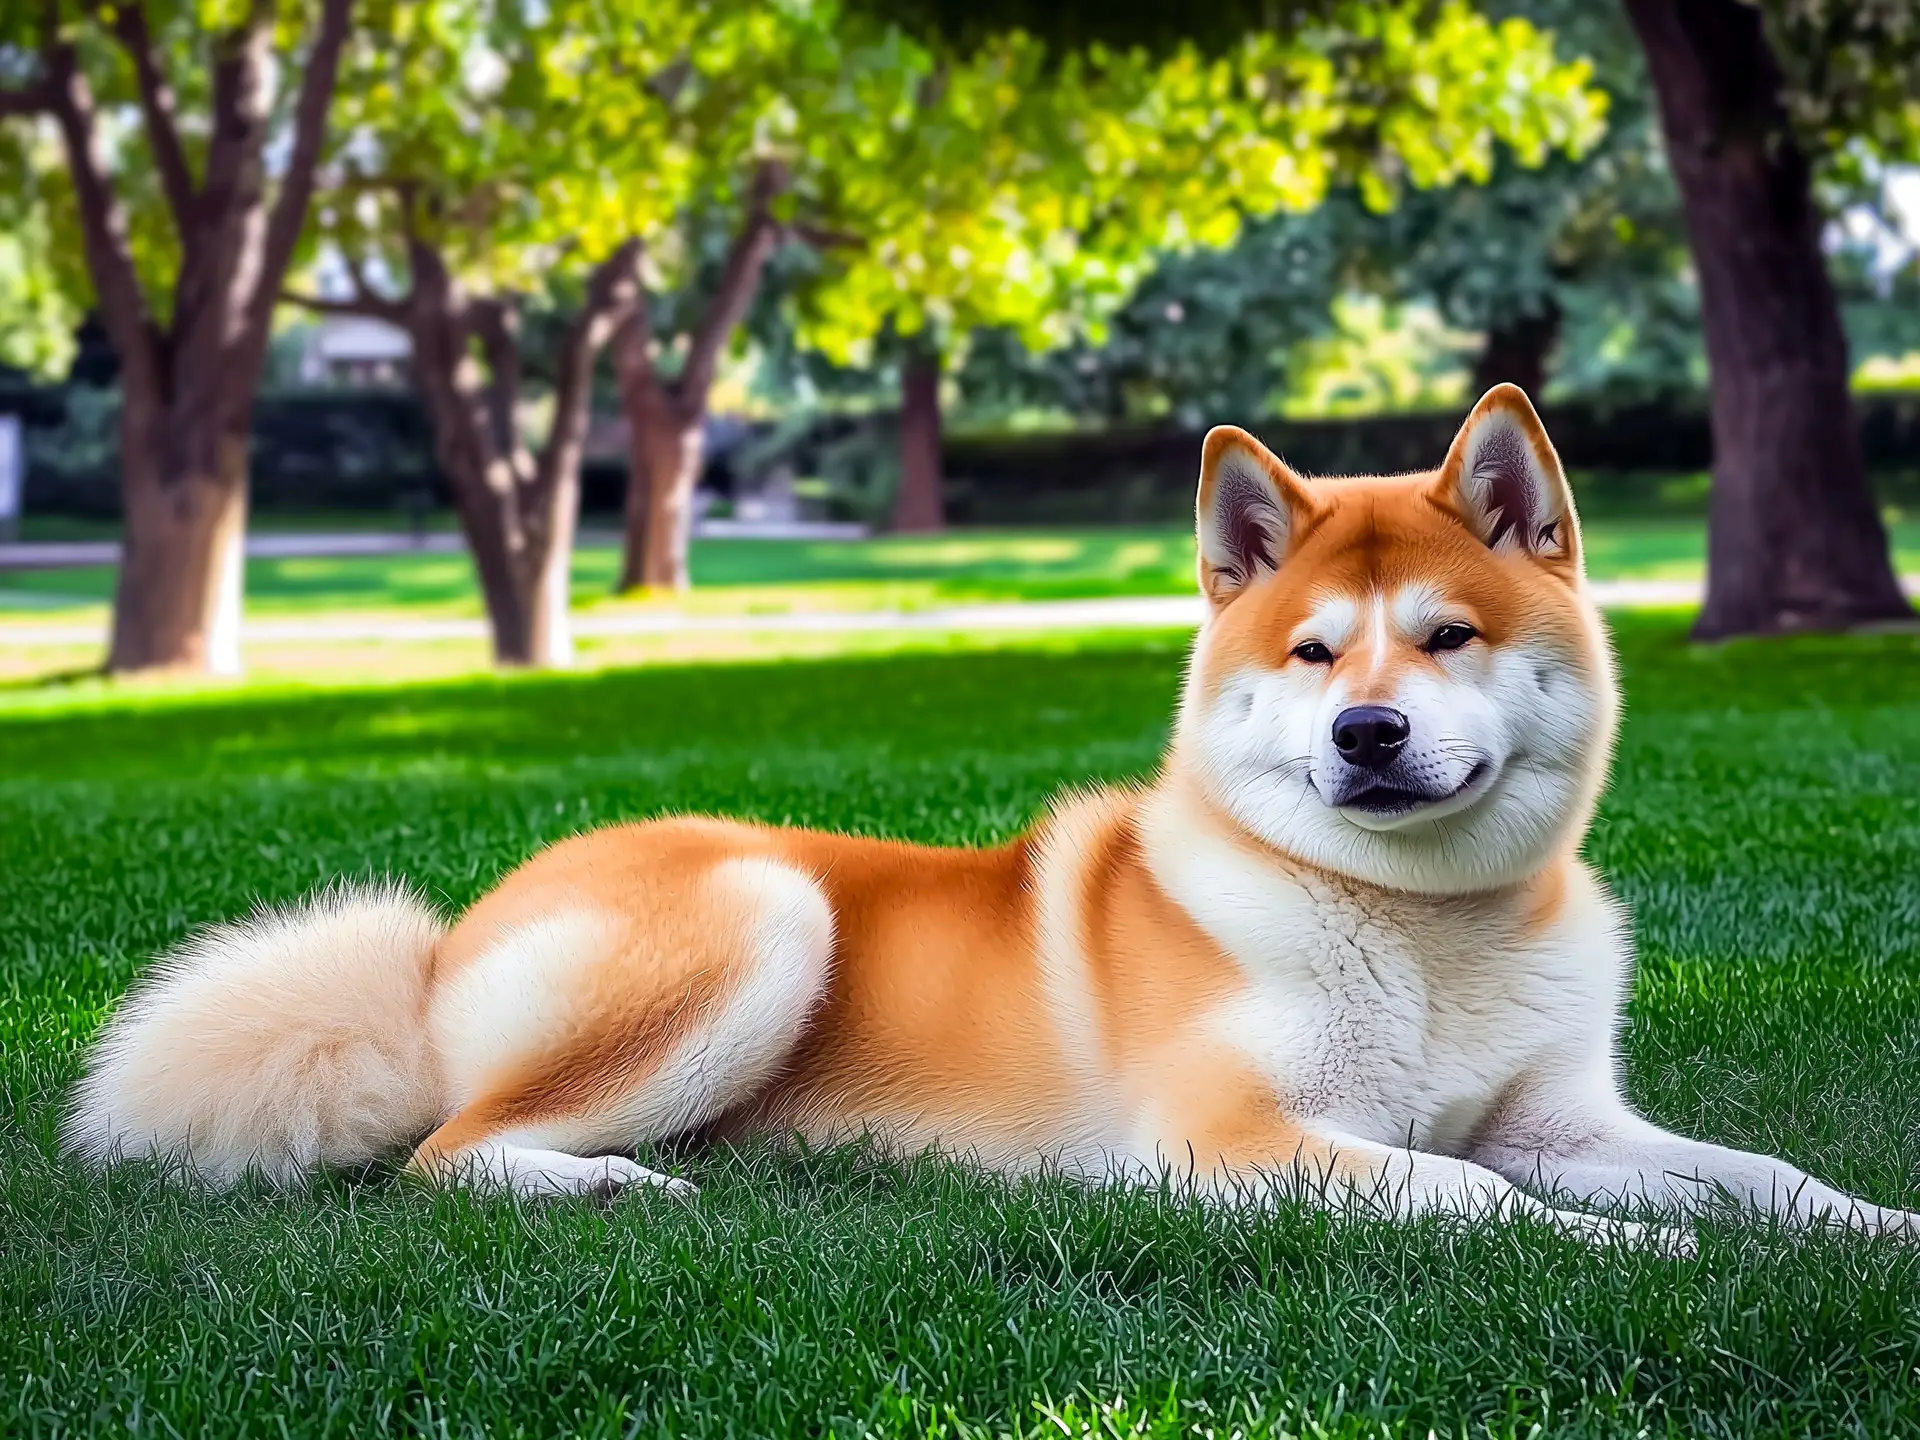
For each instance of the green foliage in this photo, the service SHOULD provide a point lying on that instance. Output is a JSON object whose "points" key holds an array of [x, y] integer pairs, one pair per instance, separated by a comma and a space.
{"points": [[1598, 238], [1010, 186], [1852, 70], [494, 132], [39, 301], [1377, 357], [524, 142], [1881, 310], [1014, 185], [1067, 25], [1209, 335], [1594, 238], [1765, 826], [1033, 190]]}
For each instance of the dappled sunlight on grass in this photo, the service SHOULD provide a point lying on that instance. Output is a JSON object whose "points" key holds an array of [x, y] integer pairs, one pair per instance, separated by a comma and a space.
{"points": [[41, 679], [961, 565], [955, 553]]}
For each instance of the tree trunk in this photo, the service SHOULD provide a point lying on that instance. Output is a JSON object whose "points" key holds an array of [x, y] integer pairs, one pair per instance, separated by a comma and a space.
{"points": [[523, 632], [518, 511], [484, 493], [1794, 538], [666, 419], [666, 449], [1516, 352], [523, 581], [917, 507], [552, 637], [176, 603]]}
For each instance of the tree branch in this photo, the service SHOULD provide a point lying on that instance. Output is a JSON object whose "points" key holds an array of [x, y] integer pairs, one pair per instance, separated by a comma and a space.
{"points": [[157, 110], [103, 224], [613, 294], [758, 237], [364, 292], [237, 114], [497, 324], [32, 100], [820, 237], [448, 380], [289, 213], [614, 288], [633, 367], [369, 308], [220, 279]]}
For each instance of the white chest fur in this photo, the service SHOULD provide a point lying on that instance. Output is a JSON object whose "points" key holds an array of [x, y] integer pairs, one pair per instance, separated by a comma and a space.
{"points": [[1385, 1016]]}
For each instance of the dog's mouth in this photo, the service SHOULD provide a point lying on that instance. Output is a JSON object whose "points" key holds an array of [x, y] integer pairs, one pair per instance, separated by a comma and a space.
{"points": [[1388, 802]]}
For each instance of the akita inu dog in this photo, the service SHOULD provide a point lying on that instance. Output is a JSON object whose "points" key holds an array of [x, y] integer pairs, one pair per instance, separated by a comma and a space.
{"points": [[1342, 941]]}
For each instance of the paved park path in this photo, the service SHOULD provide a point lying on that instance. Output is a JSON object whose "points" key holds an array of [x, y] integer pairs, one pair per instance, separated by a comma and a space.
{"points": [[72, 554]]}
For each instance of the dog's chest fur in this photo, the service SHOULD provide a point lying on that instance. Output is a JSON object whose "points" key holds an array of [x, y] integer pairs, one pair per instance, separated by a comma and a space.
{"points": [[1397, 1018]]}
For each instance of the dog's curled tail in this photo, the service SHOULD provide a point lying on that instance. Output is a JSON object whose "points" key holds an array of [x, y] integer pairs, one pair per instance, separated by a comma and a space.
{"points": [[289, 1040]]}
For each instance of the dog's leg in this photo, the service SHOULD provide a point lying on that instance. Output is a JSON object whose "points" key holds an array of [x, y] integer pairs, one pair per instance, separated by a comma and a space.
{"points": [[1411, 1183], [579, 1035], [503, 1166], [1218, 1119], [1574, 1136]]}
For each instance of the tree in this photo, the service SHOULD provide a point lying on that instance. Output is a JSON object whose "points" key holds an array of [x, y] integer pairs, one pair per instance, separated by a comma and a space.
{"points": [[518, 502], [490, 164], [1052, 182], [759, 99], [1795, 540], [666, 414], [186, 233], [799, 119]]}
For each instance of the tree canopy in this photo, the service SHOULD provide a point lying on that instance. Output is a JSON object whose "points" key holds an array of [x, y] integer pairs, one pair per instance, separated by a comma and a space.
{"points": [[1584, 249], [1034, 190]]}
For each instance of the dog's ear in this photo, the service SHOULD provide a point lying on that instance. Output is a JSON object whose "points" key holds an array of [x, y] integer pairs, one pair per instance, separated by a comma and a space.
{"points": [[1504, 480], [1249, 509]]}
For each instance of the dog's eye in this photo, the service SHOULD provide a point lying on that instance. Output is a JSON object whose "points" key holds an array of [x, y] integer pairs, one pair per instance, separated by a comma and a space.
{"points": [[1313, 652], [1449, 637]]}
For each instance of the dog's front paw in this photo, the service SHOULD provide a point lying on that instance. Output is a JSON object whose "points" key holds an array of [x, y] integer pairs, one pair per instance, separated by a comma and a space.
{"points": [[1676, 1242], [621, 1175]]}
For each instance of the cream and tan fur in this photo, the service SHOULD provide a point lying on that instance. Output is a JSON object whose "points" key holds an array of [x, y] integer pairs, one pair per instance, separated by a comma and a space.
{"points": [[1358, 957]]}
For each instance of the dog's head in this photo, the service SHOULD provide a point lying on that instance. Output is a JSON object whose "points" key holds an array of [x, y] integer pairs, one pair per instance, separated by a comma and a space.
{"points": [[1400, 679]]}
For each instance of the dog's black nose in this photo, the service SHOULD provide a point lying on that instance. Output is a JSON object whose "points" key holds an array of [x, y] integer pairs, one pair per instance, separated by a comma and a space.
{"points": [[1370, 735]]}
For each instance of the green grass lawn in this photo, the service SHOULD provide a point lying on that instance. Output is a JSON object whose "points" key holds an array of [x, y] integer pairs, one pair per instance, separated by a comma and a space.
{"points": [[732, 576], [1765, 826]]}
